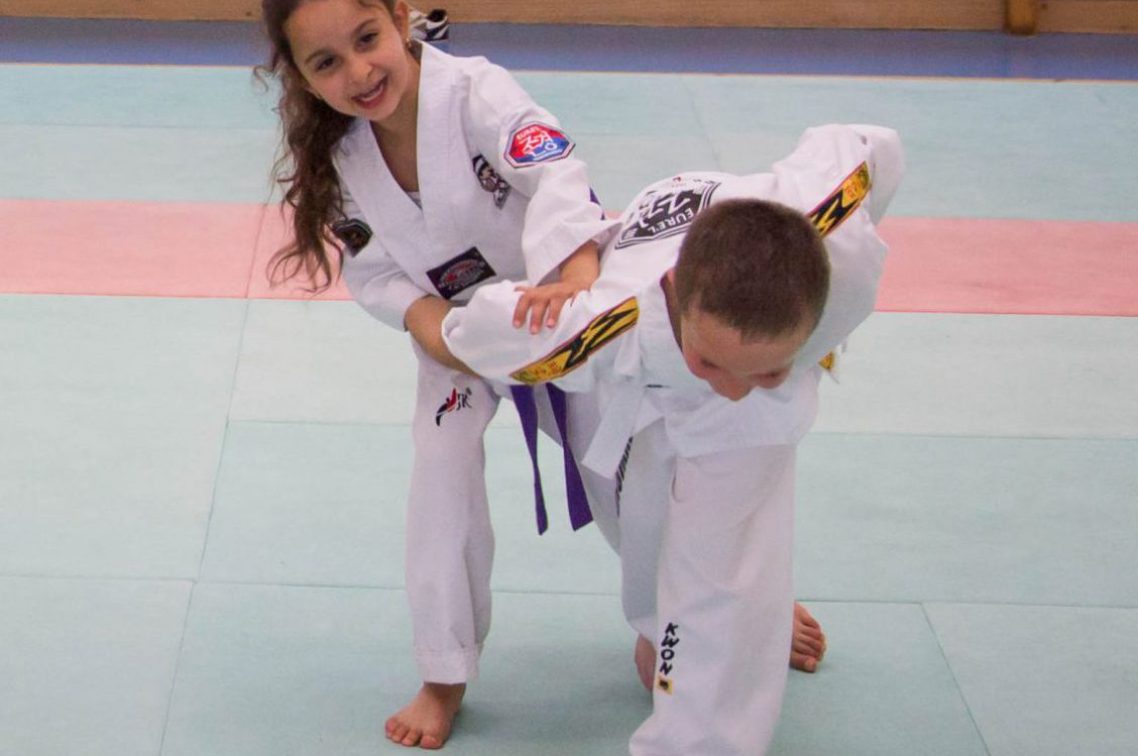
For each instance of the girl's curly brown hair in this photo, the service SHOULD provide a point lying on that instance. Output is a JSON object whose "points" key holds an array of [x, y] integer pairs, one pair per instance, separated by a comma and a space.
{"points": [[311, 132]]}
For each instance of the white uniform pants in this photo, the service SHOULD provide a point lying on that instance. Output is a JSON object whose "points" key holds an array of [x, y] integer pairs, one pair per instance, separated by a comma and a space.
{"points": [[449, 540], [705, 546]]}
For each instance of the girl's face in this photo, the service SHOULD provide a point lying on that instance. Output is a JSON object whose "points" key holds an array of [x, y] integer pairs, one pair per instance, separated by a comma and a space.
{"points": [[354, 56]]}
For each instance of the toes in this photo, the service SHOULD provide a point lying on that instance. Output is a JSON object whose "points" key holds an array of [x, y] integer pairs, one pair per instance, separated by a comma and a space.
{"points": [[807, 647], [431, 742], [398, 732], [803, 663], [411, 738]]}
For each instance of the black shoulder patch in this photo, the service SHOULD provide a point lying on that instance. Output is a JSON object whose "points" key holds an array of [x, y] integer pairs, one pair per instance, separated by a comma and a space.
{"points": [[353, 233]]}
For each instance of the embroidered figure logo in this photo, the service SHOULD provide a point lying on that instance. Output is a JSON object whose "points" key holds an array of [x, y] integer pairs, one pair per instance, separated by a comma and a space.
{"points": [[490, 181], [454, 403]]}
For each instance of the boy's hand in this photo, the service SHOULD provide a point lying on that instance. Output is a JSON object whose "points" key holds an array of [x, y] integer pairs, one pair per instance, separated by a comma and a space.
{"points": [[544, 303]]}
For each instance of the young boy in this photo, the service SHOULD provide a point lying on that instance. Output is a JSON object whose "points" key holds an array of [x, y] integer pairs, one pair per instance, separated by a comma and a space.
{"points": [[707, 356]]}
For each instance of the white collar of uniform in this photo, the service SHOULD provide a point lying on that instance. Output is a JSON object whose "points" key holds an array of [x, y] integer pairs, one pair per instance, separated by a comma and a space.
{"points": [[361, 163], [662, 359]]}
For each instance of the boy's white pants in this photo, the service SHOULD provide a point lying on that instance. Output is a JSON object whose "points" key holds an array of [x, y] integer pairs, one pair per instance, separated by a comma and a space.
{"points": [[705, 546]]}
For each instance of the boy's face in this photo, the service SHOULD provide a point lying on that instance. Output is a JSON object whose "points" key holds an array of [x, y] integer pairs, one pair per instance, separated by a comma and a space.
{"points": [[732, 365]]}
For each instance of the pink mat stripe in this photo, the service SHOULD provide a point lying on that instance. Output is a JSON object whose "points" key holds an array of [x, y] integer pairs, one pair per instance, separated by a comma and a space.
{"points": [[1010, 267], [151, 249], [221, 250]]}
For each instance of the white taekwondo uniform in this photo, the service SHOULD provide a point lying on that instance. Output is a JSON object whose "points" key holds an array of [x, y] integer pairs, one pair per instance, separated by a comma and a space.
{"points": [[706, 489], [501, 196]]}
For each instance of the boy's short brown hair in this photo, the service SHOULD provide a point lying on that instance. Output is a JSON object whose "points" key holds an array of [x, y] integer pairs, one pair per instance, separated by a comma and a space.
{"points": [[757, 266]]}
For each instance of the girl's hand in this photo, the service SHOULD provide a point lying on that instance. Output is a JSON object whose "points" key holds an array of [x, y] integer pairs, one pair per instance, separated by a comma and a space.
{"points": [[544, 303], [538, 303]]}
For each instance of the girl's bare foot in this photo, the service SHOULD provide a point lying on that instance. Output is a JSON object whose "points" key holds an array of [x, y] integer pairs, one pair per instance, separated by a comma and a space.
{"points": [[426, 721], [645, 656], [809, 642]]}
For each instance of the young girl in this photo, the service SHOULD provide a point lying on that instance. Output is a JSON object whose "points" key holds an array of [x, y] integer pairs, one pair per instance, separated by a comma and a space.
{"points": [[421, 176]]}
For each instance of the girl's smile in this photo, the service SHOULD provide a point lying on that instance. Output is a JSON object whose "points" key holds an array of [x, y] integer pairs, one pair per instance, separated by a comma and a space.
{"points": [[371, 99]]}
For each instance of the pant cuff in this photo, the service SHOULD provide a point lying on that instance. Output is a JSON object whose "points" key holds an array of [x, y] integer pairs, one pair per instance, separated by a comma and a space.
{"points": [[448, 667]]}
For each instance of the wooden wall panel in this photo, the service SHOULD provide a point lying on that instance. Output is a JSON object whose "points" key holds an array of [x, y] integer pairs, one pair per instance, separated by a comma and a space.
{"points": [[885, 14], [1053, 15], [1022, 16], [179, 10], [1112, 16]]}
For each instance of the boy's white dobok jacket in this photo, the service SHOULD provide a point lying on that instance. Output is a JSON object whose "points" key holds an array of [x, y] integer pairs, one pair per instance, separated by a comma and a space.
{"points": [[616, 339]]}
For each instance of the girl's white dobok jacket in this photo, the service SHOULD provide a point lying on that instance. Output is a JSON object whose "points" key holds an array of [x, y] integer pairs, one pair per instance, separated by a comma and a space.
{"points": [[706, 498], [501, 194]]}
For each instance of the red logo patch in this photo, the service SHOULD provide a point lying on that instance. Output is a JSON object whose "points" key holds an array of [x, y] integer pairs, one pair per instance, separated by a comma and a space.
{"points": [[537, 143]]}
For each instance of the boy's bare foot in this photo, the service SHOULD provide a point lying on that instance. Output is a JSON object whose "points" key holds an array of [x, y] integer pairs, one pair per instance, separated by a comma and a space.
{"points": [[645, 656], [426, 721], [808, 646], [809, 642]]}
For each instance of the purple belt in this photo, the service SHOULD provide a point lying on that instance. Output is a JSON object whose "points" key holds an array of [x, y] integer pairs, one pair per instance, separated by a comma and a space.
{"points": [[579, 513]]}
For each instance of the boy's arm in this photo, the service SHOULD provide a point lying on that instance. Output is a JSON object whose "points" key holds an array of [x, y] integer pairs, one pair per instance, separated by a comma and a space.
{"points": [[843, 178], [574, 353], [856, 250]]}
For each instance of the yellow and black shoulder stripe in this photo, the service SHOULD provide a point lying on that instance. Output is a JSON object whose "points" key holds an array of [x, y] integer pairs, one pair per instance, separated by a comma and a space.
{"points": [[835, 209], [843, 201], [576, 351]]}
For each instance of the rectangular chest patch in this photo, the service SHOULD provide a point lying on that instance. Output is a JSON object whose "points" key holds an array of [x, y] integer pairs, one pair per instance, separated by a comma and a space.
{"points": [[460, 273], [574, 352]]}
